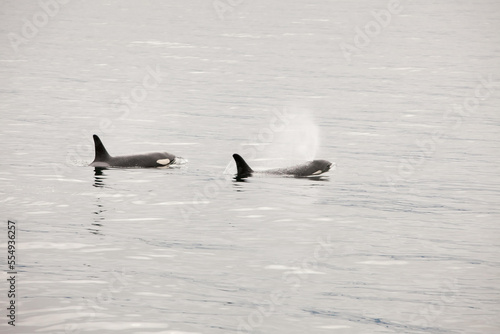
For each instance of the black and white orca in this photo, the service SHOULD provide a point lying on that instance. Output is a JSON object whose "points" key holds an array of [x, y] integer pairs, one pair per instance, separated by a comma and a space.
{"points": [[310, 168], [103, 159]]}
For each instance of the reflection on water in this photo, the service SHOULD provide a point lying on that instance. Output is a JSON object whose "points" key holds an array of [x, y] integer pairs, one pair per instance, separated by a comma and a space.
{"points": [[98, 217], [240, 179], [99, 177]]}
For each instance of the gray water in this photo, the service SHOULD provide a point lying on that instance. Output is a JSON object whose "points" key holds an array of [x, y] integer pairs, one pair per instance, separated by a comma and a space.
{"points": [[401, 237]]}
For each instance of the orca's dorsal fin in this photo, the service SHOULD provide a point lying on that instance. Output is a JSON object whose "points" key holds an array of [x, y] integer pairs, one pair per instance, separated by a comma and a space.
{"points": [[243, 169], [101, 155]]}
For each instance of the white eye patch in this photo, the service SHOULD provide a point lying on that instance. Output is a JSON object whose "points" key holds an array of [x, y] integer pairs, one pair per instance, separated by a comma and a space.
{"points": [[163, 162]]}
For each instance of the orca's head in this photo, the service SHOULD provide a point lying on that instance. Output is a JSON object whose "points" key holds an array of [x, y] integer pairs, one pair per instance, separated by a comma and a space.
{"points": [[320, 166]]}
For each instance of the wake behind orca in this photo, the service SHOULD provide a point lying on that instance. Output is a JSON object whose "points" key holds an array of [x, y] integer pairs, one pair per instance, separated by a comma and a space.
{"points": [[103, 159], [310, 168]]}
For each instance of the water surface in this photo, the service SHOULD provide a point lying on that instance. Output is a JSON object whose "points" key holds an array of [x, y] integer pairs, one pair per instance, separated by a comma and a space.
{"points": [[402, 237]]}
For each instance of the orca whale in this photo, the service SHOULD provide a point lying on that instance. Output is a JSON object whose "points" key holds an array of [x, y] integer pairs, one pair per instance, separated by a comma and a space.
{"points": [[103, 159], [310, 168]]}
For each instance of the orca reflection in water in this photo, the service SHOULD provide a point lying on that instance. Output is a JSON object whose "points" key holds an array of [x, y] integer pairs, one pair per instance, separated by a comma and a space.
{"points": [[310, 168], [103, 159]]}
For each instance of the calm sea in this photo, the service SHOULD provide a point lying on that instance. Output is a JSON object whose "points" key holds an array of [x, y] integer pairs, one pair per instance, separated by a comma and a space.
{"points": [[403, 236]]}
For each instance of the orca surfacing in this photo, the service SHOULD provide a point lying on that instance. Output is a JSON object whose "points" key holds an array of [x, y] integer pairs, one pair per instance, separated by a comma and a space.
{"points": [[147, 160], [310, 168]]}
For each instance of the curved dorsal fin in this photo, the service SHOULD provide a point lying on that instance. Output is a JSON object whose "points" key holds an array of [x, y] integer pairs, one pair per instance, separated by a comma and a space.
{"points": [[100, 151], [243, 169]]}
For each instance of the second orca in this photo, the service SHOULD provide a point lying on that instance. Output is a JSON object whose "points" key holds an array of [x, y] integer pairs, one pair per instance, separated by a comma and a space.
{"points": [[310, 168]]}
